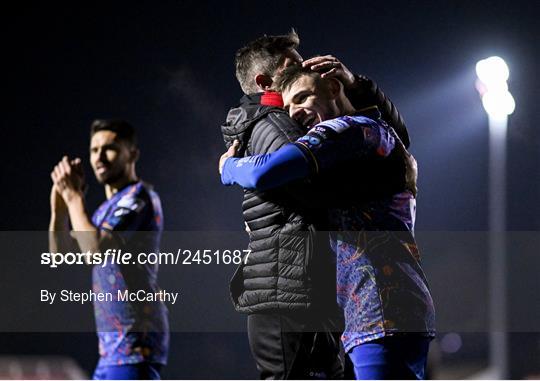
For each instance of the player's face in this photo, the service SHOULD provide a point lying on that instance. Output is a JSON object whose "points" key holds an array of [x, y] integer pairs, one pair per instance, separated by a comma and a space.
{"points": [[310, 101], [109, 157]]}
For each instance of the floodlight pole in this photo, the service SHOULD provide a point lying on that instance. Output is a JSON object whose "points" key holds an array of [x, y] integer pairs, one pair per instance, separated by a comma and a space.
{"points": [[498, 102], [498, 356]]}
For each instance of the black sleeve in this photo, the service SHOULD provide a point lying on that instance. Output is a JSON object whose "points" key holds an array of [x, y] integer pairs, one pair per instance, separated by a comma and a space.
{"points": [[366, 92]]}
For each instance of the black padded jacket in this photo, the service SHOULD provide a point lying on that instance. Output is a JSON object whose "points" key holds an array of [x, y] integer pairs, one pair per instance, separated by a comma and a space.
{"points": [[281, 272]]}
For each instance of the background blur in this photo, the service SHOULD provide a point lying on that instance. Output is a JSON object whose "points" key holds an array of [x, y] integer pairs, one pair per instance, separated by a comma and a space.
{"points": [[168, 69]]}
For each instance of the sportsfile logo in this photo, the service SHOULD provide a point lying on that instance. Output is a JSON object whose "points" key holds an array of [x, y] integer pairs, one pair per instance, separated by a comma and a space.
{"points": [[112, 256], [119, 257]]}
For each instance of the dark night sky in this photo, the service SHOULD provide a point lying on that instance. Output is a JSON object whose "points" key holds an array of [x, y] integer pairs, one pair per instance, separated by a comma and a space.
{"points": [[167, 68]]}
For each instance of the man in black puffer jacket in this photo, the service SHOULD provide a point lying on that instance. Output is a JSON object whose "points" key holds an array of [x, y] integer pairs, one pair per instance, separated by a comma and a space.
{"points": [[287, 287]]}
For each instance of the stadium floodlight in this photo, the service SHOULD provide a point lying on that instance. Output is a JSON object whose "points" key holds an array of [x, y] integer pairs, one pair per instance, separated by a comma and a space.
{"points": [[492, 75], [498, 103], [492, 70]]}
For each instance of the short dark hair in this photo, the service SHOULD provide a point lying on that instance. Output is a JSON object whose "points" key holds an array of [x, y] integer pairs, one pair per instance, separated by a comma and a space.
{"points": [[290, 75], [262, 56], [124, 131]]}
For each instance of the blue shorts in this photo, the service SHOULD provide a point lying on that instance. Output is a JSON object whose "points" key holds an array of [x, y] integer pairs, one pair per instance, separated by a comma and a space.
{"points": [[141, 371], [402, 357]]}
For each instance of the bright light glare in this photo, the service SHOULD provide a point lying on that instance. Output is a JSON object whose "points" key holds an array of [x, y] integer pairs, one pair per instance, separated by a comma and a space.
{"points": [[492, 74], [492, 71], [498, 103]]}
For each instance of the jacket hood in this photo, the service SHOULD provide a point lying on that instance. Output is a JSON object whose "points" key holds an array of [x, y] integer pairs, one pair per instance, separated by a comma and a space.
{"points": [[241, 119]]}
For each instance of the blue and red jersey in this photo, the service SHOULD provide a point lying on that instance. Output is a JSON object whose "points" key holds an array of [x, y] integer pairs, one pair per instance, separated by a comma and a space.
{"points": [[130, 332]]}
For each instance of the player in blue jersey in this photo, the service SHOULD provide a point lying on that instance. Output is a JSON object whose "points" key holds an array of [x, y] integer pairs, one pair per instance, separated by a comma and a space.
{"points": [[133, 336], [370, 182]]}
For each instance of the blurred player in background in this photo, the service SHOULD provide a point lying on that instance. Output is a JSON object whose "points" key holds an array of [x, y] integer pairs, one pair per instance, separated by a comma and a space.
{"points": [[133, 336]]}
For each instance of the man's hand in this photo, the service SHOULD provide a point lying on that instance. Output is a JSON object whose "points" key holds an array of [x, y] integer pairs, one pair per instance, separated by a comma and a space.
{"points": [[330, 67], [230, 153], [68, 179]]}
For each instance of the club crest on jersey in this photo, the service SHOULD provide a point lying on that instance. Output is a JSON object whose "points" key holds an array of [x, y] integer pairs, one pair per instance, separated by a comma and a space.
{"points": [[310, 141]]}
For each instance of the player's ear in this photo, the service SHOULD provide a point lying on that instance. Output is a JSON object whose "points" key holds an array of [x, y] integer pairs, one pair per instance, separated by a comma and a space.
{"points": [[263, 81], [334, 87]]}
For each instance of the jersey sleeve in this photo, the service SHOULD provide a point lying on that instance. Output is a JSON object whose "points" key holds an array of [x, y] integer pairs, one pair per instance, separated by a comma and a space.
{"points": [[266, 171], [344, 139], [326, 145]]}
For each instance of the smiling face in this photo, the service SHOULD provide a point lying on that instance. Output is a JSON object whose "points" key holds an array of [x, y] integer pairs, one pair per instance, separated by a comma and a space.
{"points": [[110, 157], [311, 100]]}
